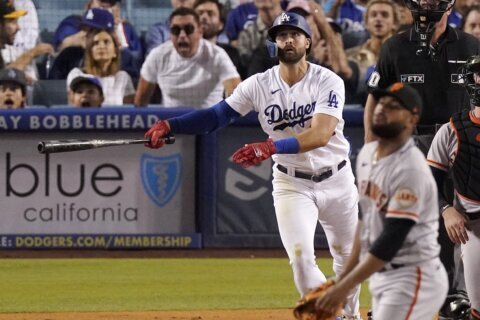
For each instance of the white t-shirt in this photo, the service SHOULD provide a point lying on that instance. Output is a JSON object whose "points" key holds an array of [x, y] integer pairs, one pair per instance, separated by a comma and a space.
{"points": [[190, 82], [28, 35], [399, 186], [115, 87], [441, 155], [11, 54], [285, 111]]}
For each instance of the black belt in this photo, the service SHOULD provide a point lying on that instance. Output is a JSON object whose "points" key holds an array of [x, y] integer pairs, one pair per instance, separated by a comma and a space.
{"points": [[391, 266], [313, 177]]}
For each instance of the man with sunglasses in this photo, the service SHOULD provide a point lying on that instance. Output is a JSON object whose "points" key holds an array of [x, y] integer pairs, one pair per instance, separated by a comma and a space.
{"points": [[189, 70], [300, 107]]}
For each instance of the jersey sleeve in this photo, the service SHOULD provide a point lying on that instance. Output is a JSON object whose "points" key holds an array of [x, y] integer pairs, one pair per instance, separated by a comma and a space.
{"points": [[241, 98], [331, 96], [438, 154], [407, 191], [384, 73], [149, 68]]}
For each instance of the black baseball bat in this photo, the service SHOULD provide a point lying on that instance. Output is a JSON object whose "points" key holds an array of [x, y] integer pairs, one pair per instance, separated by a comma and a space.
{"points": [[55, 146]]}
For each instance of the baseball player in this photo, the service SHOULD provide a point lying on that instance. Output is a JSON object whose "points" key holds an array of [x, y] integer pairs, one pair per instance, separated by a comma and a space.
{"points": [[299, 106], [396, 241], [456, 149]]}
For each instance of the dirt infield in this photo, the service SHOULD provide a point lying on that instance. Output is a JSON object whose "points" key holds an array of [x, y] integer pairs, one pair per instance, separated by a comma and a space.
{"points": [[282, 314], [166, 253]]}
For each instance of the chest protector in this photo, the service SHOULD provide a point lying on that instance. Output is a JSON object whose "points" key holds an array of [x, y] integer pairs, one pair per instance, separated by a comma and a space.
{"points": [[466, 168]]}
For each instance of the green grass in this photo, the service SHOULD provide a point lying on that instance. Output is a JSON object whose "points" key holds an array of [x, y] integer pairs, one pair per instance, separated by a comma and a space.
{"points": [[58, 285]]}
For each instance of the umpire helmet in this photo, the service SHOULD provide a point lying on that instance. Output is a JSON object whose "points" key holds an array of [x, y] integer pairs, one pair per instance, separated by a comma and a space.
{"points": [[470, 76], [290, 19]]}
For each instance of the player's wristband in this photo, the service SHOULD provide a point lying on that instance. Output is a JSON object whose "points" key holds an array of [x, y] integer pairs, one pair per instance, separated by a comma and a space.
{"points": [[444, 207], [288, 145]]}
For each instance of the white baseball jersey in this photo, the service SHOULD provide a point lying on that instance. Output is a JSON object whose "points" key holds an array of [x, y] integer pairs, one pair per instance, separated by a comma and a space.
{"points": [[196, 81], [285, 111], [399, 186], [442, 156]]}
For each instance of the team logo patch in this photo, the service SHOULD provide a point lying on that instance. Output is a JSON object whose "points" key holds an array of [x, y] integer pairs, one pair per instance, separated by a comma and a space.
{"points": [[332, 99], [456, 78], [284, 17], [412, 78], [405, 197], [374, 79], [161, 177]]}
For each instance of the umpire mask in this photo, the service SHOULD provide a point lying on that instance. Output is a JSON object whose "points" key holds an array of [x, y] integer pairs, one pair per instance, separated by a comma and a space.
{"points": [[428, 12]]}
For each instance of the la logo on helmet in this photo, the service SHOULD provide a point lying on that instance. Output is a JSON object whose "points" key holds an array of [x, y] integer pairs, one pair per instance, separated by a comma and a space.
{"points": [[285, 17]]}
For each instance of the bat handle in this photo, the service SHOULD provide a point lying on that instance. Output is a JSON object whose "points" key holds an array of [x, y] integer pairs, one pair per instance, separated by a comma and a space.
{"points": [[169, 138]]}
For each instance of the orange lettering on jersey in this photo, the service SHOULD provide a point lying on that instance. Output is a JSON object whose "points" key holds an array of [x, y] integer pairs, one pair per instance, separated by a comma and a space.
{"points": [[405, 197], [373, 191]]}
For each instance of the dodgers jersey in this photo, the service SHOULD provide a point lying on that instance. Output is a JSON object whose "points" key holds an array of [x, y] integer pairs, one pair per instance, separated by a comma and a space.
{"points": [[442, 156], [285, 111], [399, 186]]}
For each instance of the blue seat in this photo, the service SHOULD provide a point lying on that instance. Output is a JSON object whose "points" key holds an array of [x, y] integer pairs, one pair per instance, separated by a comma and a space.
{"points": [[50, 92]]}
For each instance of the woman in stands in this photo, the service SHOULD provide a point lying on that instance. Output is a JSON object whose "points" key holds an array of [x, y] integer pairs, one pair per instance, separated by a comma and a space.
{"points": [[102, 59]]}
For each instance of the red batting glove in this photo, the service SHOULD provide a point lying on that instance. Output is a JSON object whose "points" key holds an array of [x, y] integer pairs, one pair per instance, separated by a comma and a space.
{"points": [[254, 153], [156, 134]]}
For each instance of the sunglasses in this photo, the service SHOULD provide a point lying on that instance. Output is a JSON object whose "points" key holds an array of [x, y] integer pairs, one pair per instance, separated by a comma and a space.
{"points": [[188, 28]]}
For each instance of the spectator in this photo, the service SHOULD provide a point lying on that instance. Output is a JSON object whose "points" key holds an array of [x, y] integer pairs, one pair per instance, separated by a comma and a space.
{"points": [[17, 57], [381, 22], [349, 14], [72, 30], [190, 70], [160, 31], [85, 91], [471, 21], [28, 36], [238, 19], [102, 59], [72, 57], [210, 13], [13, 89], [254, 35]]}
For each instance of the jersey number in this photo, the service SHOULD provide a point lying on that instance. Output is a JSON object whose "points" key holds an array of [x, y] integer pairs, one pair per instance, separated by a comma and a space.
{"points": [[332, 100]]}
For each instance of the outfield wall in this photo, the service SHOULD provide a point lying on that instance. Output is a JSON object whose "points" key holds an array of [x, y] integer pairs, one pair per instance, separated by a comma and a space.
{"points": [[185, 195]]}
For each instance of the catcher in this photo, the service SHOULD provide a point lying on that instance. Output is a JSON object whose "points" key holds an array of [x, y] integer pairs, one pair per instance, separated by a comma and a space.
{"points": [[397, 236]]}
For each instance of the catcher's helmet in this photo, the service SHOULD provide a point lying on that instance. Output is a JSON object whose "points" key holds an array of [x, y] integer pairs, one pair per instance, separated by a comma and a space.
{"points": [[455, 308], [470, 76], [290, 19]]}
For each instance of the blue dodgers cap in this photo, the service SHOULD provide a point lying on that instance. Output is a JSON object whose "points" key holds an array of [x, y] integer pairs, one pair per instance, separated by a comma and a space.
{"points": [[98, 18], [86, 78], [13, 75]]}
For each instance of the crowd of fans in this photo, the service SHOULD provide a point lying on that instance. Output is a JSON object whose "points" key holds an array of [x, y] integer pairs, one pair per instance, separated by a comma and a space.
{"points": [[196, 57]]}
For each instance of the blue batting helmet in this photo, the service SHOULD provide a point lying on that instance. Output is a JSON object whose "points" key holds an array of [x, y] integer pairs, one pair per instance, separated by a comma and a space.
{"points": [[289, 19]]}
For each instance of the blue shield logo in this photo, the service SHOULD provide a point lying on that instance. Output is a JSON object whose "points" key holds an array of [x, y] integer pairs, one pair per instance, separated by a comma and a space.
{"points": [[161, 177]]}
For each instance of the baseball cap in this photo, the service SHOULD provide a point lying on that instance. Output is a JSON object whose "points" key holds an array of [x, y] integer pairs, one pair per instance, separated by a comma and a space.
{"points": [[86, 78], [98, 18], [334, 24], [299, 6], [8, 11], [13, 75], [408, 97]]}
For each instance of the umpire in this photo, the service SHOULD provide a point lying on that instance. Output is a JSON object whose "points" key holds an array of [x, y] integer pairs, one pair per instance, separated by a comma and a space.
{"points": [[428, 56]]}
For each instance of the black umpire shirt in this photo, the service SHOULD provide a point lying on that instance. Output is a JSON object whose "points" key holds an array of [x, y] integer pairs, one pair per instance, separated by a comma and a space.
{"points": [[436, 81]]}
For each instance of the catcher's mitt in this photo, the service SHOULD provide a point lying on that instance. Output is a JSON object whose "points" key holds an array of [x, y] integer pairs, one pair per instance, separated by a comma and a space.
{"points": [[305, 308]]}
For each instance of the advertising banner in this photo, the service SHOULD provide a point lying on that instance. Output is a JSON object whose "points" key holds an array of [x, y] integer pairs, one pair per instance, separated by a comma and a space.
{"points": [[115, 197]]}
